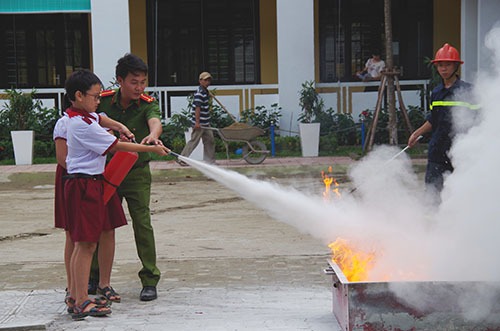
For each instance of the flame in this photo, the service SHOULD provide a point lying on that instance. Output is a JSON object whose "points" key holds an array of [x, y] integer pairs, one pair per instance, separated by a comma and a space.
{"points": [[328, 180], [355, 263]]}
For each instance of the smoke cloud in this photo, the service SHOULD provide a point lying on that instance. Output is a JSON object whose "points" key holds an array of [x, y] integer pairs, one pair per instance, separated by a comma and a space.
{"points": [[415, 239]]}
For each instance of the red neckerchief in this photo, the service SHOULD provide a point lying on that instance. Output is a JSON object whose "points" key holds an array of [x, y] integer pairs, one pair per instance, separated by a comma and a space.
{"points": [[72, 112]]}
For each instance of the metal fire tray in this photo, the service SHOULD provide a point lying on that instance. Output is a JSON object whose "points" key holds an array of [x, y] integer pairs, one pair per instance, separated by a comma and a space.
{"points": [[436, 305]]}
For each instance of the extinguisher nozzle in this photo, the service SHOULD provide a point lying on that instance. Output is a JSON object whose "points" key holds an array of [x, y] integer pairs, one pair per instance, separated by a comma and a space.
{"points": [[174, 154]]}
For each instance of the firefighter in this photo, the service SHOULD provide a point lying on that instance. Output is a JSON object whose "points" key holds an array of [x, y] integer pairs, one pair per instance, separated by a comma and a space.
{"points": [[449, 98]]}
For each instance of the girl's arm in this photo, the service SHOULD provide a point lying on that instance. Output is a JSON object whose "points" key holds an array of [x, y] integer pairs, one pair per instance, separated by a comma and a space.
{"points": [[61, 152], [131, 147]]}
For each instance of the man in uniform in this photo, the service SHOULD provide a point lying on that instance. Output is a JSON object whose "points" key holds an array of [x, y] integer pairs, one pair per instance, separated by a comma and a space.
{"points": [[141, 113], [448, 100]]}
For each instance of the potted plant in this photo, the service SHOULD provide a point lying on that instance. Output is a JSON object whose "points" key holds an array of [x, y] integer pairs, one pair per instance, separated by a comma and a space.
{"points": [[19, 116], [309, 127]]}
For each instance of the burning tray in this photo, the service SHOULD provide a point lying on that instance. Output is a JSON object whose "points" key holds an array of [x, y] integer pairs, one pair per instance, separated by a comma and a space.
{"points": [[433, 306]]}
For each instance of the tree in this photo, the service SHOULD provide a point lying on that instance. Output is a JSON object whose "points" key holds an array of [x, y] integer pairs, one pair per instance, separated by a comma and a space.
{"points": [[391, 97]]}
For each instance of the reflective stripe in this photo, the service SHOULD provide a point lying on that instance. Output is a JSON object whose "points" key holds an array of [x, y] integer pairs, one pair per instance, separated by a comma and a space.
{"points": [[454, 104]]}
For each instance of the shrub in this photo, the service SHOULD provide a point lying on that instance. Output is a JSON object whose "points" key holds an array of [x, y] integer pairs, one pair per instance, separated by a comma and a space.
{"points": [[310, 102], [287, 143], [6, 149], [328, 143], [44, 148], [25, 112], [416, 115], [19, 113], [342, 126], [262, 117]]}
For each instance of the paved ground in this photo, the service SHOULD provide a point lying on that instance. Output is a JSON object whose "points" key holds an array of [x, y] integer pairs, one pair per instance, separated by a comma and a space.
{"points": [[226, 264]]}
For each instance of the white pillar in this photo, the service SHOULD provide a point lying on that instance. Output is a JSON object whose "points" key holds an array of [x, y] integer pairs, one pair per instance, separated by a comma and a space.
{"points": [[110, 36], [478, 17], [295, 20], [468, 39], [487, 13]]}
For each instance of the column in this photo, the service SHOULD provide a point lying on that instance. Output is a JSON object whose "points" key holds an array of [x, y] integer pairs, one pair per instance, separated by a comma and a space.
{"points": [[295, 20], [110, 36]]}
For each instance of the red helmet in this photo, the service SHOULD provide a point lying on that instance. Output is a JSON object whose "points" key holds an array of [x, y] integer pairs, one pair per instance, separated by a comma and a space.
{"points": [[447, 53]]}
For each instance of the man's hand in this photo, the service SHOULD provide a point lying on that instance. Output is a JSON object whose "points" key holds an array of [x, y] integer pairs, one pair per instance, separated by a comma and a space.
{"points": [[150, 140], [418, 133], [414, 138]]}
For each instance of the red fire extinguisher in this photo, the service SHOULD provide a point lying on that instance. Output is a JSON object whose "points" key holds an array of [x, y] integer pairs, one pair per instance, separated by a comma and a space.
{"points": [[116, 170]]}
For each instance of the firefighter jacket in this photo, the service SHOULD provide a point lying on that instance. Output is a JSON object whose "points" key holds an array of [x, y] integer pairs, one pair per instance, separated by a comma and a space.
{"points": [[450, 113]]}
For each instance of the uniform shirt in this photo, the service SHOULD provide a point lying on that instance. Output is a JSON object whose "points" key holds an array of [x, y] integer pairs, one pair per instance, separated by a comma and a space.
{"points": [[88, 143], [201, 99], [61, 128], [135, 117], [445, 101]]}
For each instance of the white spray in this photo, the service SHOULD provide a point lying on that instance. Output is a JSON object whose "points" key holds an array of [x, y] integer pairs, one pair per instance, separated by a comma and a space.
{"points": [[457, 242]]}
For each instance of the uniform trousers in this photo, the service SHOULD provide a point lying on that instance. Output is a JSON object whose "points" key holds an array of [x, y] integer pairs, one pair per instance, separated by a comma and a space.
{"points": [[136, 190]]}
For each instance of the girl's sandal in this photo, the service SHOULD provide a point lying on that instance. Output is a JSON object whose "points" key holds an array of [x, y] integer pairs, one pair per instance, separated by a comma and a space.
{"points": [[70, 303], [82, 311], [109, 293], [99, 303]]}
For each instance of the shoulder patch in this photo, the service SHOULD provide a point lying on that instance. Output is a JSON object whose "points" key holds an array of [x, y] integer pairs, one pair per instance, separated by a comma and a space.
{"points": [[107, 93], [147, 98]]}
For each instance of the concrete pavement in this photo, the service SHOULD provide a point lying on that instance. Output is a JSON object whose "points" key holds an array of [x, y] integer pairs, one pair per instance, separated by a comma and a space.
{"points": [[226, 265]]}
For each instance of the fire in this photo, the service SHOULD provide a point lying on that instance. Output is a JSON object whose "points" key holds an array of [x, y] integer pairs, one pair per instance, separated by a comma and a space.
{"points": [[355, 263], [328, 180]]}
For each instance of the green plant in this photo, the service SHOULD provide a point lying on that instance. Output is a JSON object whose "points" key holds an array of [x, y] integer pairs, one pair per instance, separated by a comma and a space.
{"points": [[310, 102], [328, 143], [20, 112], [417, 118], [173, 130], [342, 126], [262, 117], [416, 115], [288, 144], [25, 112], [219, 118]]}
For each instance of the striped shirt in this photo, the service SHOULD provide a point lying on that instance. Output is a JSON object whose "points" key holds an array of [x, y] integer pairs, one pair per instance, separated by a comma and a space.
{"points": [[201, 99]]}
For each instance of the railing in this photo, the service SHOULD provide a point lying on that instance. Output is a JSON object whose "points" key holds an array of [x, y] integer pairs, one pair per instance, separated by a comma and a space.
{"points": [[348, 97]]}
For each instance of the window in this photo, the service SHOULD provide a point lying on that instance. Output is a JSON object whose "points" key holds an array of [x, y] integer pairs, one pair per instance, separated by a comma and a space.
{"points": [[190, 36], [42, 50], [350, 30]]}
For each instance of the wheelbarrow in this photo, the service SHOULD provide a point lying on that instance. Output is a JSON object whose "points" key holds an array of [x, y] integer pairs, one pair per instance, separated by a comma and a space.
{"points": [[253, 151]]}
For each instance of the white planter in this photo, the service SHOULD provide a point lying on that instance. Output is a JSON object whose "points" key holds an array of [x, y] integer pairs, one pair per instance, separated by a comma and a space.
{"points": [[309, 138], [23, 146], [197, 154]]}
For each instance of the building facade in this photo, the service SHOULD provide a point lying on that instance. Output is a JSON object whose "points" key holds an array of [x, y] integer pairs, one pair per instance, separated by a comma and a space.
{"points": [[258, 51]]}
